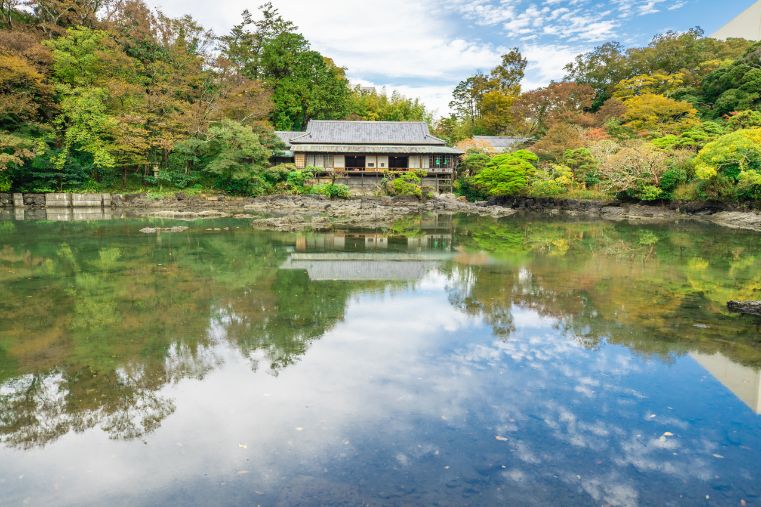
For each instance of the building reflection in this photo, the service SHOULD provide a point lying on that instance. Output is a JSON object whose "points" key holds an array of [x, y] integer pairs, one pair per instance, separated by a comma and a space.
{"points": [[743, 381], [370, 255]]}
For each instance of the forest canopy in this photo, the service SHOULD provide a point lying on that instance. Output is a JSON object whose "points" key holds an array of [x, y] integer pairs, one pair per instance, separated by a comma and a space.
{"points": [[107, 94], [677, 119]]}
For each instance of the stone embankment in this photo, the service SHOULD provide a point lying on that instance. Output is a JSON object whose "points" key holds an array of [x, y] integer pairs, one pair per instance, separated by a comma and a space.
{"points": [[314, 212], [726, 215]]}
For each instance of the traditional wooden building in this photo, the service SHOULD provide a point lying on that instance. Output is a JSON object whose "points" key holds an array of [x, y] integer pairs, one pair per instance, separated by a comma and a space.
{"points": [[493, 144], [370, 148]]}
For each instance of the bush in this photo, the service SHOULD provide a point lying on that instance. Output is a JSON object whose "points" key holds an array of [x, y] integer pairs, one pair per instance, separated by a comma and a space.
{"points": [[688, 192], [672, 178], [506, 174], [635, 170], [472, 163], [749, 185], [465, 188], [331, 190], [583, 164], [408, 184], [296, 181], [556, 180]]}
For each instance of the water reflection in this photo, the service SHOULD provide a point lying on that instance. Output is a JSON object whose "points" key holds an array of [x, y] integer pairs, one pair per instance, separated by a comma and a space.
{"points": [[378, 367]]}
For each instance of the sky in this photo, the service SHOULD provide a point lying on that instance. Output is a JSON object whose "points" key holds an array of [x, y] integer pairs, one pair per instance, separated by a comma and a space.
{"points": [[423, 48]]}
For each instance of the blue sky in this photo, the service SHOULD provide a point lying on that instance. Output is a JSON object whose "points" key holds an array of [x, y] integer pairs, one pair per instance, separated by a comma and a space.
{"points": [[424, 48]]}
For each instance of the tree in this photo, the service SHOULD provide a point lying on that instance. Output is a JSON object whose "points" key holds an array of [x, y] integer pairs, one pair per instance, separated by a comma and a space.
{"points": [[306, 84], [496, 113], [601, 68], [507, 76], [98, 84], [656, 83], [507, 174], [233, 154], [735, 87], [563, 102], [689, 53], [559, 138], [14, 151], [245, 43], [467, 97], [635, 169], [656, 115], [54, 16], [369, 104], [730, 155], [582, 164], [472, 163]]}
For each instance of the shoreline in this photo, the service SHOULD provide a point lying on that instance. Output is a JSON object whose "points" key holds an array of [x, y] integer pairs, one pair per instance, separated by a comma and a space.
{"points": [[300, 212]]}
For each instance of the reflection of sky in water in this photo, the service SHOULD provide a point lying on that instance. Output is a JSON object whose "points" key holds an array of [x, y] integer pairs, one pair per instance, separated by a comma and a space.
{"points": [[410, 401]]}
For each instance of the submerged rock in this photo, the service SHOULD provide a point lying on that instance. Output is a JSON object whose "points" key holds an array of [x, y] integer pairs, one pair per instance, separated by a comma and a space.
{"points": [[748, 307], [151, 230]]}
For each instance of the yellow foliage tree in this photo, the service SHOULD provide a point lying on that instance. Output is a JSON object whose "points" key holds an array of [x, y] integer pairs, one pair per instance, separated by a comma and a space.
{"points": [[656, 83], [655, 115]]}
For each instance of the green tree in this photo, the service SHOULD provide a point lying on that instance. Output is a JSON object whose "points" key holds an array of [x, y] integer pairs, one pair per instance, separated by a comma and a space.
{"points": [[730, 155], [601, 68], [369, 104], [507, 76], [735, 87], [233, 154], [306, 84], [507, 174]]}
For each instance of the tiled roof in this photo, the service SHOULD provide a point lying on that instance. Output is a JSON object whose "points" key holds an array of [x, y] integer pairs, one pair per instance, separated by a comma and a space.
{"points": [[368, 132], [287, 135], [377, 148], [501, 141]]}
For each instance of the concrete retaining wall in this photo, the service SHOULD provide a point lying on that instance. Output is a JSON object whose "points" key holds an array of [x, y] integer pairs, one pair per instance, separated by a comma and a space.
{"points": [[56, 201]]}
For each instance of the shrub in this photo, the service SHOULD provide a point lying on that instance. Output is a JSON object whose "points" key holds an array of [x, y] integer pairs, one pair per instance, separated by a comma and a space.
{"points": [[465, 188], [555, 180], [749, 185], [409, 183], [730, 155], [296, 180], [672, 178], [635, 170], [506, 174], [331, 190], [583, 164], [472, 163]]}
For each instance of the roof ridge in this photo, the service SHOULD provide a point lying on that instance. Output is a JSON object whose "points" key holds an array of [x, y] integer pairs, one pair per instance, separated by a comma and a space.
{"points": [[412, 122]]}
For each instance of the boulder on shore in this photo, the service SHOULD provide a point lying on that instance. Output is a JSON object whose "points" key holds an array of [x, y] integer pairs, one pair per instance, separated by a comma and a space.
{"points": [[748, 307]]}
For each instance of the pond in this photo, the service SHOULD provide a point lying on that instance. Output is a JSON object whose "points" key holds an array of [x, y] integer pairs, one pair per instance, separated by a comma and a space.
{"points": [[441, 361]]}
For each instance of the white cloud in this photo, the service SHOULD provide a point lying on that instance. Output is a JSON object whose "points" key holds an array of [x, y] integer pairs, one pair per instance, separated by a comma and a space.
{"points": [[424, 48], [546, 63]]}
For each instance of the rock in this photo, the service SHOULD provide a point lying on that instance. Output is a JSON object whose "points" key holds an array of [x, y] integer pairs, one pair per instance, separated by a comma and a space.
{"points": [[737, 219], [747, 307], [152, 230]]}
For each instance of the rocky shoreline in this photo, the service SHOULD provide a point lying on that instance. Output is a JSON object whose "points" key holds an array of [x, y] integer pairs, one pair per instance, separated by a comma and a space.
{"points": [[317, 213], [288, 213]]}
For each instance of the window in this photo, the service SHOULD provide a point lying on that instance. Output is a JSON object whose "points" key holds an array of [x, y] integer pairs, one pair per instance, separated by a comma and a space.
{"points": [[441, 161]]}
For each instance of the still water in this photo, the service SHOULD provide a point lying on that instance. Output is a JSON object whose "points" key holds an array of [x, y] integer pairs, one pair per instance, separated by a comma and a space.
{"points": [[443, 361]]}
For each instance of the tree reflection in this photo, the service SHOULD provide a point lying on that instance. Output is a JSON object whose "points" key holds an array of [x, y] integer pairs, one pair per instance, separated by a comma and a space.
{"points": [[100, 319]]}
